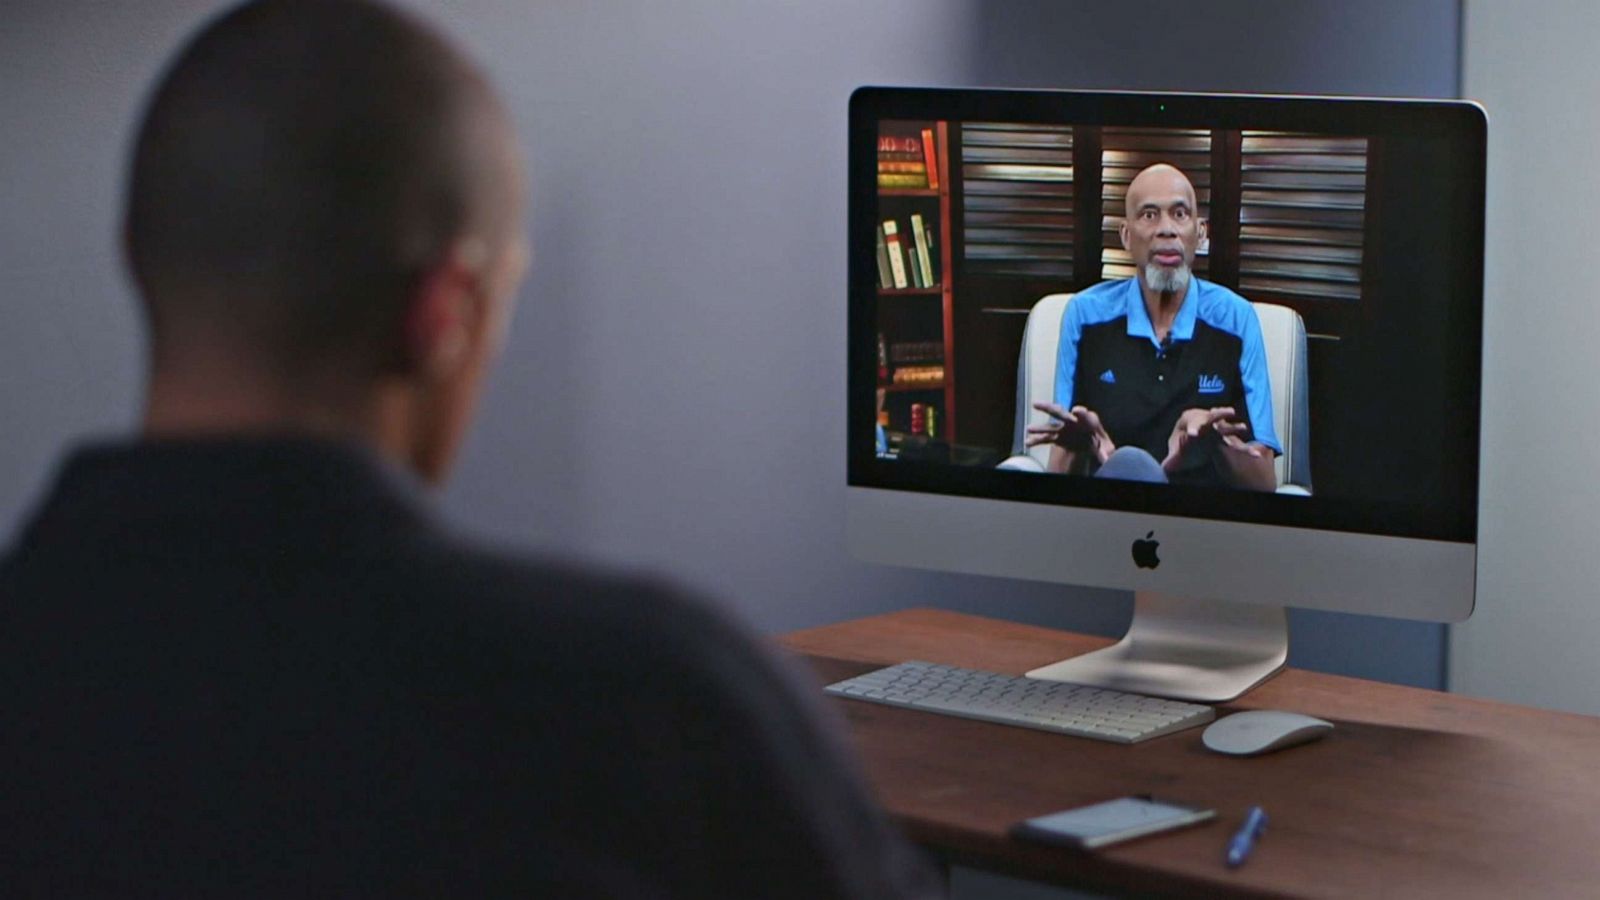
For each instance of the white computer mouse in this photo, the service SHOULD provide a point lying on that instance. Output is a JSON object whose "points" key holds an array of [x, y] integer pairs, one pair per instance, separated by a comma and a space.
{"points": [[1261, 731]]}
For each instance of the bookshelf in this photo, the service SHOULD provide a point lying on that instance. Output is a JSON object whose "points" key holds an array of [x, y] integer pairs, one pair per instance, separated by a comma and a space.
{"points": [[916, 353]]}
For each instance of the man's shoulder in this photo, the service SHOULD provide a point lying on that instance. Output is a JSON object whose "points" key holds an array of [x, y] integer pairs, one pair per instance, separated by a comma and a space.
{"points": [[1220, 295], [587, 614], [539, 587], [1101, 303], [1224, 309]]}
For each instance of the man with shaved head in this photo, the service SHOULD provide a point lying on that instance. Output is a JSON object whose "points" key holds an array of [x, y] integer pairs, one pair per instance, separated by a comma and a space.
{"points": [[240, 656], [1161, 377]]}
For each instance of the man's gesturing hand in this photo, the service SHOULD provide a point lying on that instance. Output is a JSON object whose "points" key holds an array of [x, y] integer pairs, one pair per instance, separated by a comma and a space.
{"points": [[1076, 431], [1196, 426]]}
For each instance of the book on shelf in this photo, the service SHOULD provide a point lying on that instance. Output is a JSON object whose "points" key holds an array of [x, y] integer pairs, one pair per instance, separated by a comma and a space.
{"points": [[899, 143], [885, 276], [902, 180], [891, 167], [918, 376], [919, 236], [914, 265], [897, 257], [902, 352], [904, 161]]}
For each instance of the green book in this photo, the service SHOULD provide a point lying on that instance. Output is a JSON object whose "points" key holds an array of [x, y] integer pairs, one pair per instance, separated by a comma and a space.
{"points": [[920, 239], [885, 277]]}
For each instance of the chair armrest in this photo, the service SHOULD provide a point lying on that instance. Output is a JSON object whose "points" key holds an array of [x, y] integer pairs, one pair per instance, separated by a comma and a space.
{"points": [[1021, 463]]}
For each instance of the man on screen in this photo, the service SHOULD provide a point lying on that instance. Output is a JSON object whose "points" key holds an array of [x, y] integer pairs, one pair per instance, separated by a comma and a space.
{"points": [[1161, 377]]}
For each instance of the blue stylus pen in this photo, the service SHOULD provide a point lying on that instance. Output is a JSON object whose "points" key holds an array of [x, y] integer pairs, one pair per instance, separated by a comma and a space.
{"points": [[1255, 822]]}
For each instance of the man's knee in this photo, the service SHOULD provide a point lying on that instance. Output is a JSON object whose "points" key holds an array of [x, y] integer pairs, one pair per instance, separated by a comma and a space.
{"points": [[1132, 464]]}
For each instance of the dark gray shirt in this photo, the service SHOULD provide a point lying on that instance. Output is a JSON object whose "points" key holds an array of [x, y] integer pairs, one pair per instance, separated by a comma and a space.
{"points": [[259, 667]]}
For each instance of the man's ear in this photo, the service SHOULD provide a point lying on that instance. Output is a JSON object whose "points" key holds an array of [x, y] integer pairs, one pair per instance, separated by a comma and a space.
{"points": [[442, 315], [1122, 232]]}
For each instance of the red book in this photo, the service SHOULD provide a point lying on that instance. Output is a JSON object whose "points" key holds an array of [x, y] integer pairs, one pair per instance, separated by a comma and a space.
{"points": [[927, 151]]}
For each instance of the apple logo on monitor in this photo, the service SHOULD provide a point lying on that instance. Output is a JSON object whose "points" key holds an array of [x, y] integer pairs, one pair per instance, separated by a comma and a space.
{"points": [[1144, 552]]}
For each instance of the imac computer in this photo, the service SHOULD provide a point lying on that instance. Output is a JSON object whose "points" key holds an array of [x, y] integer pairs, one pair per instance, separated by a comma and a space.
{"points": [[1221, 350]]}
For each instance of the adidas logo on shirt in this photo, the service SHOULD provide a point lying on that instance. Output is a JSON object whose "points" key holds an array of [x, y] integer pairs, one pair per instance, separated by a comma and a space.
{"points": [[1108, 376]]}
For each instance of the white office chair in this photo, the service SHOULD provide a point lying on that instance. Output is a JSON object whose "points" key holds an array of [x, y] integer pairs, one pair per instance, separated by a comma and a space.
{"points": [[1283, 333]]}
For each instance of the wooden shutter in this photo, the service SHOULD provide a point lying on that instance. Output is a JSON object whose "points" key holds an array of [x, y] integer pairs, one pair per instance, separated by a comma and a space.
{"points": [[1302, 206], [1017, 199], [1124, 152]]}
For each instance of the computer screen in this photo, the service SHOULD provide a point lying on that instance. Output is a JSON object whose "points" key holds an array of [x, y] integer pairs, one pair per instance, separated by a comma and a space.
{"points": [[1218, 346]]}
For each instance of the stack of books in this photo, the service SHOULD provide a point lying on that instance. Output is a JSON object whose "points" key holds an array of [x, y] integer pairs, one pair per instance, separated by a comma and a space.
{"points": [[907, 161], [907, 257]]}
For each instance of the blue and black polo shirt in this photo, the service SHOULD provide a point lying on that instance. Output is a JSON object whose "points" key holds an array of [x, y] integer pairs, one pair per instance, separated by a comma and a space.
{"points": [[1110, 361]]}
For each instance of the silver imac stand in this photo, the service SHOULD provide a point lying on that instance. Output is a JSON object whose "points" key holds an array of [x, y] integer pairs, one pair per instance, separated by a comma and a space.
{"points": [[1200, 650]]}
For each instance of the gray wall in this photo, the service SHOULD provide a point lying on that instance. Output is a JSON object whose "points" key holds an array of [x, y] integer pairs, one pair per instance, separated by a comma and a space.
{"points": [[1533, 637], [672, 390], [70, 362]]}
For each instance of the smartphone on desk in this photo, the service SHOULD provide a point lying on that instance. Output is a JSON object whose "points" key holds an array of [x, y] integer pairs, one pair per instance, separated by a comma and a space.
{"points": [[1110, 822]]}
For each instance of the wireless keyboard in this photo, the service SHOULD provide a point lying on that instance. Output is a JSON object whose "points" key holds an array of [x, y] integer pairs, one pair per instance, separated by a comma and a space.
{"points": [[1057, 706]]}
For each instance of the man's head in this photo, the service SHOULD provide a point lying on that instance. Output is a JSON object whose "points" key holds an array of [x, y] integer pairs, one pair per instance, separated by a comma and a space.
{"points": [[324, 223], [1161, 228]]}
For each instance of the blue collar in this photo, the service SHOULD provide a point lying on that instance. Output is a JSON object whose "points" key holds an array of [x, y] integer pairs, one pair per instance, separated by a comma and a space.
{"points": [[1182, 326]]}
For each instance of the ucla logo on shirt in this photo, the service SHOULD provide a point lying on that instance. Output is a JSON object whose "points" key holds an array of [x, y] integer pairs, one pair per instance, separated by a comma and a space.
{"points": [[1211, 384]]}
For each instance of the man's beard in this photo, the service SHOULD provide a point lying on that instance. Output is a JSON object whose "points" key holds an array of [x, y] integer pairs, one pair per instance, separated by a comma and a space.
{"points": [[1166, 279]]}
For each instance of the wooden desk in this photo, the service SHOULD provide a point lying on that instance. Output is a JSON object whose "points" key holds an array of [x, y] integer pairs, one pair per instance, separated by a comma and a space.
{"points": [[1415, 793]]}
